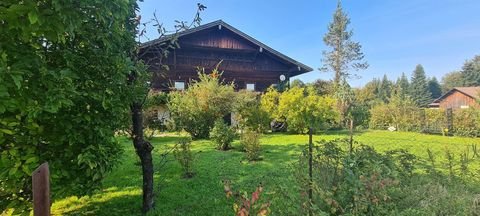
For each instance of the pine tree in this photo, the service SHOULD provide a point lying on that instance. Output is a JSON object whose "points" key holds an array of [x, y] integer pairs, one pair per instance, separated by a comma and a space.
{"points": [[385, 90], [434, 88], [419, 91], [471, 72], [345, 54], [402, 86]]}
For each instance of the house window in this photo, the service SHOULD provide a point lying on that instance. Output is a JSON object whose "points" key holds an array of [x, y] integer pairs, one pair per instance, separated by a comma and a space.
{"points": [[464, 107], [251, 86], [179, 85]]}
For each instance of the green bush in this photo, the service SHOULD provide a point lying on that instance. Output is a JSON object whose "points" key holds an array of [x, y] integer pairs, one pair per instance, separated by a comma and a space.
{"points": [[222, 135], [435, 121], [64, 71], [248, 113], [466, 122], [196, 109], [356, 183], [301, 108], [250, 140], [399, 113], [184, 156]]}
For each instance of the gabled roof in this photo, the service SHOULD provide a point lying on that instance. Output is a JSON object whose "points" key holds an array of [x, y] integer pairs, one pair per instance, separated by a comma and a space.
{"points": [[304, 68], [473, 92]]}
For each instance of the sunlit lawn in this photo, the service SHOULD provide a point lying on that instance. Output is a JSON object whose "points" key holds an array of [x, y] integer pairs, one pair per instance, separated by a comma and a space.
{"points": [[203, 194]]}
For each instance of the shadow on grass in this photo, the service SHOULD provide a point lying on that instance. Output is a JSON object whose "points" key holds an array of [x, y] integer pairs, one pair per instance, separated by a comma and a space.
{"points": [[111, 201]]}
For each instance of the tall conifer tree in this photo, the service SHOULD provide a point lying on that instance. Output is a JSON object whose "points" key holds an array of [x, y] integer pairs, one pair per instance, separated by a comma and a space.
{"points": [[344, 54], [419, 91]]}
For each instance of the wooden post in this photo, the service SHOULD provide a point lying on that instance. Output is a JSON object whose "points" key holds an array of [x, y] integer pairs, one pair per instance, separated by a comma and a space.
{"points": [[310, 172], [351, 136], [41, 190]]}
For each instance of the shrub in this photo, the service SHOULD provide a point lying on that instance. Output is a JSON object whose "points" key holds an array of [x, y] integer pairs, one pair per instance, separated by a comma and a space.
{"points": [[400, 113], [250, 141], [184, 156], [435, 121], [357, 183], [301, 108], [222, 135], [466, 122], [244, 205], [248, 112], [196, 109]]}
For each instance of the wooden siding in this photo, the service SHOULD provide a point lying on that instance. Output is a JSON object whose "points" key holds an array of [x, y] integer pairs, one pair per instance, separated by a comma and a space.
{"points": [[241, 61], [456, 100]]}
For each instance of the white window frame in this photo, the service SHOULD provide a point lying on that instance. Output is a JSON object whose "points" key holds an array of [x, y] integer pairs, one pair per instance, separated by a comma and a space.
{"points": [[177, 83], [251, 84]]}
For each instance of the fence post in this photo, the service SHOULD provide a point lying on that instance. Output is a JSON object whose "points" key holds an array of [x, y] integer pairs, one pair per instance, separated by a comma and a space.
{"points": [[310, 173], [41, 190]]}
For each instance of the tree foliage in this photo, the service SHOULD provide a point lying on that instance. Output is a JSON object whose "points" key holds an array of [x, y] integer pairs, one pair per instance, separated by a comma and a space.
{"points": [[419, 91], [301, 108], [402, 85], [434, 88], [452, 80], [63, 73], [345, 54], [471, 72], [206, 100], [248, 112], [222, 135]]}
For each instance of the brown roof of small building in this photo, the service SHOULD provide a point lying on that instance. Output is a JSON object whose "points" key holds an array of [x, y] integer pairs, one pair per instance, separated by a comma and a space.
{"points": [[473, 92]]}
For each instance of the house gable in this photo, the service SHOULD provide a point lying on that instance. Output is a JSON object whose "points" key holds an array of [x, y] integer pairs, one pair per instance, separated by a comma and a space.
{"points": [[458, 97], [241, 58]]}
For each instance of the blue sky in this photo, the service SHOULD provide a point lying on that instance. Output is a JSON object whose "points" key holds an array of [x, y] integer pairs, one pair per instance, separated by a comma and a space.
{"points": [[395, 35]]}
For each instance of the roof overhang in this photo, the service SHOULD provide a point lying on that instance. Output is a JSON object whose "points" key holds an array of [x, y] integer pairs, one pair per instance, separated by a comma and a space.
{"points": [[296, 69]]}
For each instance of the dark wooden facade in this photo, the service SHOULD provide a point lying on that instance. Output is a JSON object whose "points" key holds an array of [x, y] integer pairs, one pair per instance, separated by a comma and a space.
{"points": [[244, 60], [458, 98]]}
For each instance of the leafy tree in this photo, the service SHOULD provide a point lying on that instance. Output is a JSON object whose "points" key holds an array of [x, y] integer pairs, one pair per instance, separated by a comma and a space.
{"points": [[434, 88], [297, 83], [471, 72], [303, 109], [248, 112], [323, 87], [451, 80], [139, 79], [369, 93], [345, 54], [419, 91], [63, 92], [269, 103], [196, 109]]}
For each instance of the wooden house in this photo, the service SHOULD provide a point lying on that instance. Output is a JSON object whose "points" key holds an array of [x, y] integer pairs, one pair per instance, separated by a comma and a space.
{"points": [[458, 98], [245, 61]]}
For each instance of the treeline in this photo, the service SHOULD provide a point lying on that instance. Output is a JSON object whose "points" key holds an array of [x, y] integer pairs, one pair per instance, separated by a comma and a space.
{"points": [[382, 103]]}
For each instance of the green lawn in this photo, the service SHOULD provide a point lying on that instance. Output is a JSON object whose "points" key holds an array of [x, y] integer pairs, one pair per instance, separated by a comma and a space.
{"points": [[203, 194]]}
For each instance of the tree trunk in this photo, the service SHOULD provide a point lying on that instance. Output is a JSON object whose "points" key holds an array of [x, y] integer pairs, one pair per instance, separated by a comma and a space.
{"points": [[144, 151]]}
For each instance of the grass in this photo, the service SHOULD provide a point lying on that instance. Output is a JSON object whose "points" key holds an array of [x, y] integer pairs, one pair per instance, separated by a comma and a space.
{"points": [[203, 194]]}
